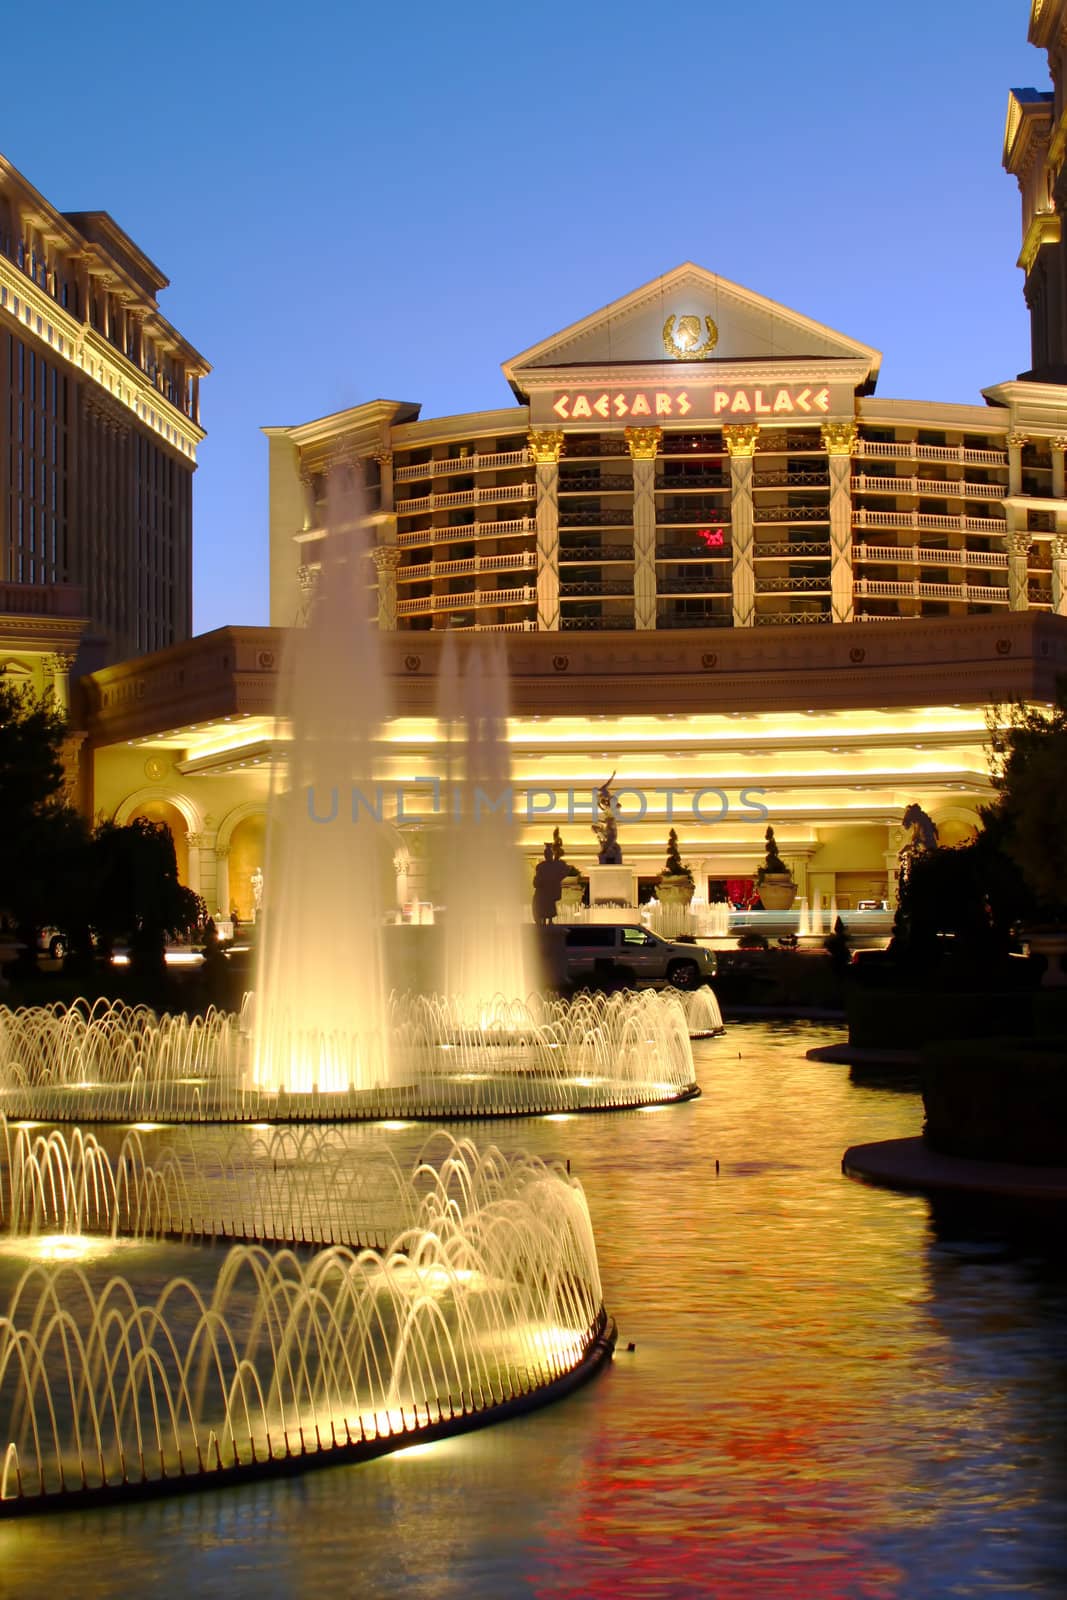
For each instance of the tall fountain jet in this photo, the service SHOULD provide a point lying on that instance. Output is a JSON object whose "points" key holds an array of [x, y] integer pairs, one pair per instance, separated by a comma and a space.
{"points": [[320, 996], [488, 949]]}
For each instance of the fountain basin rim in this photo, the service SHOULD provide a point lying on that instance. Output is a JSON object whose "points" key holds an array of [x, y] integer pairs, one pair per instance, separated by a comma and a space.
{"points": [[329, 1115], [598, 1353]]}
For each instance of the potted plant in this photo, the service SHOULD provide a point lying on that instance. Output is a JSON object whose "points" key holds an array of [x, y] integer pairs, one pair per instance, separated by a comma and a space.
{"points": [[774, 881], [674, 886]]}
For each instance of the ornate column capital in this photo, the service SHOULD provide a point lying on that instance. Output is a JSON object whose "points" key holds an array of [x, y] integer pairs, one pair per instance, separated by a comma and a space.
{"points": [[194, 840], [221, 851], [545, 445], [387, 557], [1017, 440], [384, 458], [1058, 547], [1018, 544], [741, 437], [59, 661], [839, 438], [644, 442], [1059, 441]]}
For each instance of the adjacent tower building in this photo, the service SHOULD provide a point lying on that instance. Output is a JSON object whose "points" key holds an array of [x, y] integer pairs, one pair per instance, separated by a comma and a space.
{"points": [[99, 427]]}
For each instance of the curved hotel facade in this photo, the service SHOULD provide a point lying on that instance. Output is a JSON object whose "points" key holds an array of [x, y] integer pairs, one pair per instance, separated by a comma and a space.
{"points": [[723, 569], [722, 565]]}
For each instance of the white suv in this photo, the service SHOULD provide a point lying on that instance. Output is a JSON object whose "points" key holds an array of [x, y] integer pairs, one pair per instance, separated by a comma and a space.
{"points": [[607, 949]]}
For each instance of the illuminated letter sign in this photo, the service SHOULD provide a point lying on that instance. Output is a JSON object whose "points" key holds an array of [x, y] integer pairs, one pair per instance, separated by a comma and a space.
{"points": [[699, 403]]}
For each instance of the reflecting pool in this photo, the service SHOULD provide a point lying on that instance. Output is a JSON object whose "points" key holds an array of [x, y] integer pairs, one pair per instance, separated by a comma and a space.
{"points": [[832, 1393]]}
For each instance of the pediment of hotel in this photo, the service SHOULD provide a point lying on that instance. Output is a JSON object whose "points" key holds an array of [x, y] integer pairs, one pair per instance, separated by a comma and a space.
{"points": [[692, 333]]}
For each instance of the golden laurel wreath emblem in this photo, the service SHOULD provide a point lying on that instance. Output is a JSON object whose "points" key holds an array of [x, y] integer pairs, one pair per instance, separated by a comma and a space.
{"points": [[683, 342]]}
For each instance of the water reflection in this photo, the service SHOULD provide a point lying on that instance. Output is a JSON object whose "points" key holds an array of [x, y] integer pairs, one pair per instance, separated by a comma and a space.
{"points": [[830, 1395]]}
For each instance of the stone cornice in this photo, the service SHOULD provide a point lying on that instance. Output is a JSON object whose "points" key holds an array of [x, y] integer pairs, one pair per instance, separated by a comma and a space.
{"points": [[681, 375], [233, 672], [89, 352]]}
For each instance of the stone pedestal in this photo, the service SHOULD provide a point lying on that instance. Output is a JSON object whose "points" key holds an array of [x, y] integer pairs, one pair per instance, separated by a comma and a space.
{"points": [[618, 884]]}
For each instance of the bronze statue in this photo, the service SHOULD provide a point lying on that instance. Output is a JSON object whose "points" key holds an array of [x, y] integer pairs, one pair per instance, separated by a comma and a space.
{"points": [[606, 827]]}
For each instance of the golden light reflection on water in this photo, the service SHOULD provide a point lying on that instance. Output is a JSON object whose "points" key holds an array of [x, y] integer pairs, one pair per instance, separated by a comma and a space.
{"points": [[828, 1396]]}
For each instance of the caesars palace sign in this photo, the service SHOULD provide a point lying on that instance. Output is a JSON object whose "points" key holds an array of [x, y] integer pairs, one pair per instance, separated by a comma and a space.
{"points": [[695, 403]]}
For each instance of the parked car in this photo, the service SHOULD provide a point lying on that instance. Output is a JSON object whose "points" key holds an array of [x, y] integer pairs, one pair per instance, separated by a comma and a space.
{"points": [[603, 948], [52, 942]]}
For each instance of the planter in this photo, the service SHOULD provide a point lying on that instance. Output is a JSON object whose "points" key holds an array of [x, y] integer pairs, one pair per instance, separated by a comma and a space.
{"points": [[1052, 944], [674, 890], [777, 891], [572, 892]]}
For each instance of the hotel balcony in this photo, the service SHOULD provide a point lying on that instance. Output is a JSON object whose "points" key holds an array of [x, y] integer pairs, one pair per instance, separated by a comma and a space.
{"points": [[790, 549], [787, 585], [691, 482], [469, 530], [518, 559], [605, 483], [933, 521], [695, 619], [791, 514], [887, 589], [905, 450], [954, 487], [500, 461], [789, 480], [925, 556], [593, 588], [622, 518], [494, 495], [689, 552], [41, 600], [595, 554], [778, 619], [698, 516], [466, 601], [667, 586], [623, 620]]}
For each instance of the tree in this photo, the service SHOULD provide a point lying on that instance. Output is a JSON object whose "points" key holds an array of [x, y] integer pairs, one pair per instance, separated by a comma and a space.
{"points": [[1029, 767], [675, 867], [42, 838], [137, 893]]}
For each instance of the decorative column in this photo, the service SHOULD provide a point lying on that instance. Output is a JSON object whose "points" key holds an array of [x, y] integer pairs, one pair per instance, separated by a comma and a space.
{"points": [[307, 578], [741, 438], [545, 446], [839, 441], [1057, 446], [59, 665], [644, 443], [1018, 547], [307, 486], [222, 878], [384, 458], [1016, 441], [387, 559], [1058, 551]]}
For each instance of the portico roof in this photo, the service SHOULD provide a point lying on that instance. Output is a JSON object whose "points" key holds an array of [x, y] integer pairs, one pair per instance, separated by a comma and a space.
{"points": [[693, 321]]}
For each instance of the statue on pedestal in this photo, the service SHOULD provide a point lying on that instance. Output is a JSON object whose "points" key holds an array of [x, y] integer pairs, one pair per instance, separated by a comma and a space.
{"points": [[256, 883], [606, 827], [549, 874]]}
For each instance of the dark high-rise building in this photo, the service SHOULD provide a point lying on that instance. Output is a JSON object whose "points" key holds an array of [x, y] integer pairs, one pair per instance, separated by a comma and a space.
{"points": [[99, 426]]}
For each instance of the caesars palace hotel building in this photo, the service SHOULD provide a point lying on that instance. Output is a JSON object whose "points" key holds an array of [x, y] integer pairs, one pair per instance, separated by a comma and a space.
{"points": [[718, 558]]}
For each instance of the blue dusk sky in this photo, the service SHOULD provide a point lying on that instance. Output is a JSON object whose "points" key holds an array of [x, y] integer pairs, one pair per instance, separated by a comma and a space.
{"points": [[356, 200]]}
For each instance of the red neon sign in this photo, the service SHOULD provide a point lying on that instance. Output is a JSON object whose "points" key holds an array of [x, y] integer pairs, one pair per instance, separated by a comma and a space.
{"points": [[712, 537]]}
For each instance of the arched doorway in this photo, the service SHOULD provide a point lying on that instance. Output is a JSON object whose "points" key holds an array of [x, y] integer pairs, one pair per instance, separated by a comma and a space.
{"points": [[164, 811], [248, 843]]}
